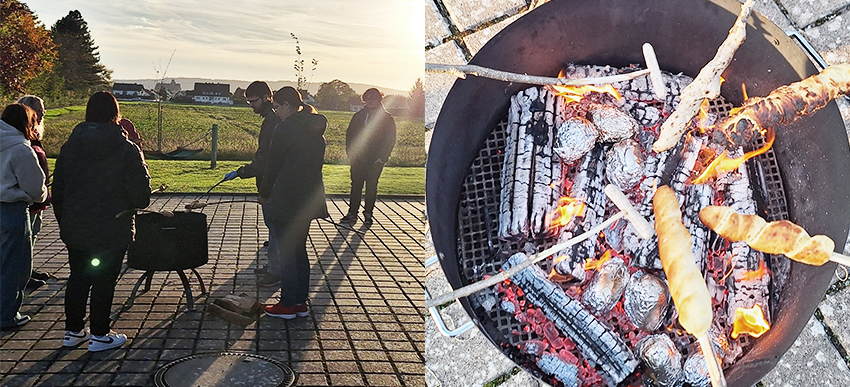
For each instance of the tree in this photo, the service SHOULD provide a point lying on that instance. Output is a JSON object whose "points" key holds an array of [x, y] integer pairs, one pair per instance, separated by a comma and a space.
{"points": [[416, 105], [26, 49], [301, 80], [78, 56], [334, 95]]}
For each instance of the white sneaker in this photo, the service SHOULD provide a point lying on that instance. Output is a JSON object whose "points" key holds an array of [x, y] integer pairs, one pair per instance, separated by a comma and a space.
{"points": [[73, 339], [108, 341]]}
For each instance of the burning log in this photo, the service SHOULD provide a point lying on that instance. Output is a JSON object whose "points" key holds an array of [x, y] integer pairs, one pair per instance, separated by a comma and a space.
{"points": [[606, 287], [662, 360], [782, 106], [516, 172], [706, 85], [546, 170], [598, 344], [565, 372], [699, 196], [646, 301]]}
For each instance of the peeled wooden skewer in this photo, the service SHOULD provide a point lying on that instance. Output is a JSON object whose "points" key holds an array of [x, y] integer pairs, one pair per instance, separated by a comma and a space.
{"points": [[777, 237], [686, 283], [626, 211]]}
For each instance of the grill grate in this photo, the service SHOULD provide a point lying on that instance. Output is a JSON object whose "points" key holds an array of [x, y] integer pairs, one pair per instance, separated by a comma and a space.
{"points": [[481, 253]]}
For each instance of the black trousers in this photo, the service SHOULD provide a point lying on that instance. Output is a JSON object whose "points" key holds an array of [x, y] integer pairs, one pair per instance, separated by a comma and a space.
{"points": [[92, 272], [361, 173]]}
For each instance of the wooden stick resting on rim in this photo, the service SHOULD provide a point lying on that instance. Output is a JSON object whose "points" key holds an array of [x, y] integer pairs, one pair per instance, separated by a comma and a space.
{"points": [[461, 71], [705, 86], [616, 196]]}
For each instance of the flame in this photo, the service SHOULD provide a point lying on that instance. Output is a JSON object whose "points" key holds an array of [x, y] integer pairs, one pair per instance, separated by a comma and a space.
{"points": [[722, 80], [750, 321], [755, 274], [575, 93], [723, 163], [553, 274], [568, 208], [744, 90], [591, 264], [702, 117]]}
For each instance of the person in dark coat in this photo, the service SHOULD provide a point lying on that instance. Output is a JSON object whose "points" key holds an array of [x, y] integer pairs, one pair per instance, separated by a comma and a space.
{"points": [[258, 95], [293, 192], [369, 141], [98, 175]]}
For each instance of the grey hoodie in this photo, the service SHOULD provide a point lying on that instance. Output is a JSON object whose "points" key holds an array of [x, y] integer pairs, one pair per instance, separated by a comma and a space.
{"points": [[21, 178]]}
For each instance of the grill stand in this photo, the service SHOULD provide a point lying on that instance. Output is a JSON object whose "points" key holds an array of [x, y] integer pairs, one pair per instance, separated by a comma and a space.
{"points": [[187, 290]]}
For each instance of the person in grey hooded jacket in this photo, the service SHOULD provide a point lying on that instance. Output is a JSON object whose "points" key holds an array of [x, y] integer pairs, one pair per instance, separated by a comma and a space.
{"points": [[99, 174], [21, 184]]}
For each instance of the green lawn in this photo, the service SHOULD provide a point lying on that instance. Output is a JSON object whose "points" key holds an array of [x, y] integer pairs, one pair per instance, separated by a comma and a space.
{"points": [[196, 176], [189, 126]]}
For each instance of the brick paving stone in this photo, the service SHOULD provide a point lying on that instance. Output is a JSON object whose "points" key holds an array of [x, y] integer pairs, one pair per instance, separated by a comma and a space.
{"points": [[382, 380], [161, 330], [831, 39], [805, 12], [811, 358], [834, 310], [468, 14], [437, 85], [478, 39]]}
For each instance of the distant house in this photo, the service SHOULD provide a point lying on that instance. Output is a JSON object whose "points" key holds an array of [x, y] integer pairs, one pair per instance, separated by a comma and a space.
{"points": [[215, 93], [130, 91], [172, 88]]}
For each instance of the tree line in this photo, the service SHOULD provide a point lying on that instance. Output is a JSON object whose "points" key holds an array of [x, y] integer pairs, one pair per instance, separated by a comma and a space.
{"points": [[62, 63]]}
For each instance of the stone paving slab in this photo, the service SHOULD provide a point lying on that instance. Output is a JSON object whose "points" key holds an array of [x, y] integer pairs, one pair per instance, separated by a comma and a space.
{"points": [[365, 327], [814, 359], [468, 14]]}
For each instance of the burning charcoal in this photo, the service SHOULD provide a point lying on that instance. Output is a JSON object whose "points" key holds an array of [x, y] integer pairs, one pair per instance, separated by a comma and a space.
{"points": [[508, 306], [533, 347], [566, 373], [606, 287], [570, 270], [699, 196], [648, 116], [613, 123], [646, 300], [624, 164], [544, 194], [598, 344], [516, 171], [574, 138], [675, 84], [662, 360]]}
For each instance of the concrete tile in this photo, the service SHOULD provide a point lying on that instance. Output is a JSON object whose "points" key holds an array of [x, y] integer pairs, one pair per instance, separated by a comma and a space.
{"points": [[436, 26], [811, 360], [834, 309], [437, 85], [805, 12], [831, 39], [468, 14], [478, 39]]}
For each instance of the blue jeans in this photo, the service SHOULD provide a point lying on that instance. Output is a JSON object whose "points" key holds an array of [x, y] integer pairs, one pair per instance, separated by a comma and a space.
{"points": [[273, 254], [15, 259], [294, 264]]}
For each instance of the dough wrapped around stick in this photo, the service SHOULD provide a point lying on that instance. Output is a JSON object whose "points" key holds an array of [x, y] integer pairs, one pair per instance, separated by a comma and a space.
{"points": [[777, 237], [687, 285], [782, 106]]}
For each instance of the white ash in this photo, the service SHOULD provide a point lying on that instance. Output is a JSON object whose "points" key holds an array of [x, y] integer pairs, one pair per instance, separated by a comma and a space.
{"points": [[613, 124], [646, 115], [566, 373], [606, 287], [625, 164], [647, 299], [574, 138], [661, 359]]}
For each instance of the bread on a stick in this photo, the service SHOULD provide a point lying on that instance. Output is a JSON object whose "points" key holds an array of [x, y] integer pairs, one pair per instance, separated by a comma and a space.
{"points": [[687, 285], [777, 237]]}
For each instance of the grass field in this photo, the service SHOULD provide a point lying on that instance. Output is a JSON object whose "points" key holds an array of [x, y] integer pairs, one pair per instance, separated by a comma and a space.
{"points": [[190, 125], [196, 176]]}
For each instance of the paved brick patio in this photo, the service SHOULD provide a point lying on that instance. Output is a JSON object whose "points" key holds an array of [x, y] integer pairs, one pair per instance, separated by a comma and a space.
{"points": [[365, 327]]}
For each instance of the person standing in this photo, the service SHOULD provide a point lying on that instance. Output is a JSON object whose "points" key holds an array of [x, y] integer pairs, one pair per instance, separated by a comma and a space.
{"points": [[99, 174], [258, 95], [37, 278], [369, 141], [21, 184], [293, 192]]}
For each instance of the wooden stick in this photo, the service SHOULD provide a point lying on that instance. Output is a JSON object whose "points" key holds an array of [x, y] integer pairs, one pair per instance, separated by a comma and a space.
{"points": [[840, 258], [461, 71], [714, 369], [705, 86]]}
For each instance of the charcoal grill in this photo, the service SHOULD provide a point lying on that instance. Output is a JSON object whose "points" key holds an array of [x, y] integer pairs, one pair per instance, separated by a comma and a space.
{"points": [[812, 157], [173, 242]]}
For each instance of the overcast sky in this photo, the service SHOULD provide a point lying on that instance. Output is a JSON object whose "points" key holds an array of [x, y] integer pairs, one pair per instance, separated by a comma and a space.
{"points": [[377, 42]]}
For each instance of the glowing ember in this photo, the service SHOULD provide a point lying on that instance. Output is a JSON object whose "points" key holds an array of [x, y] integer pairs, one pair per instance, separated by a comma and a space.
{"points": [[568, 208], [750, 321], [723, 163], [755, 274], [591, 264], [575, 93]]}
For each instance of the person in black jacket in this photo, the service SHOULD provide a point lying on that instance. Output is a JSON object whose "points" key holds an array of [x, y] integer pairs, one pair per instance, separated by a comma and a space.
{"points": [[369, 141], [293, 192], [258, 95], [99, 174]]}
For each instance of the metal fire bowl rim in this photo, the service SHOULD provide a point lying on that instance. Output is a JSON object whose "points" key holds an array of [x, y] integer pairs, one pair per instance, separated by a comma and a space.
{"points": [[813, 152], [290, 377]]}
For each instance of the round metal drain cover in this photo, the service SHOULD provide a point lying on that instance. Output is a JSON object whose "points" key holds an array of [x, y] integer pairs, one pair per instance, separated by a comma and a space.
{"points": [[225, 369]]}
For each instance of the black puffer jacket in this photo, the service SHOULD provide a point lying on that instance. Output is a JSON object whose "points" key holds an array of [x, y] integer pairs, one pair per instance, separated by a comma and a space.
{"points": [[99, 174], [292, 181]]}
